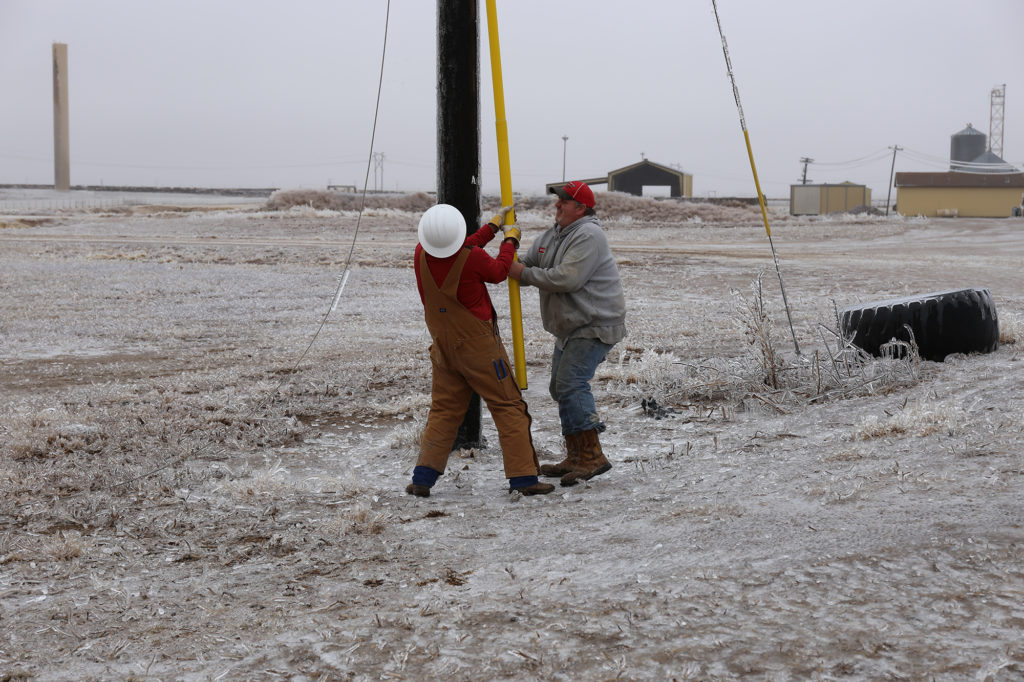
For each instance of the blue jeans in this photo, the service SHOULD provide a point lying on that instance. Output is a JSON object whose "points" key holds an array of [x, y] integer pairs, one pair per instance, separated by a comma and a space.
{"points": [[572, 368]]}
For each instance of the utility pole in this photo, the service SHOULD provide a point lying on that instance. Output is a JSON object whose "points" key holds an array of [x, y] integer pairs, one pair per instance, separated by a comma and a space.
{"points": [[805, 160], [378, 164], [895, 148], [458, 140], [565, 139]]}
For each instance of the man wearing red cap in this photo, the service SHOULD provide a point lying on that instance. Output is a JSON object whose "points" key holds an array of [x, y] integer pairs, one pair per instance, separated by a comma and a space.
{"points": [[583, 306]]}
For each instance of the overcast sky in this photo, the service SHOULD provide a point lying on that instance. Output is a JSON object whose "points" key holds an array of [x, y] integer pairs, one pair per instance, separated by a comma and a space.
{"points": [[254, 93]]}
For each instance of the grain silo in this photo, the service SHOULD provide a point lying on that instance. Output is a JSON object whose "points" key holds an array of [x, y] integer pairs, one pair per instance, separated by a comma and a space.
{"points": [[965, 147]]}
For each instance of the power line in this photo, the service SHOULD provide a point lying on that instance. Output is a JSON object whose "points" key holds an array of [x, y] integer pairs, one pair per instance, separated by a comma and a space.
{"points": [[854, 163]]}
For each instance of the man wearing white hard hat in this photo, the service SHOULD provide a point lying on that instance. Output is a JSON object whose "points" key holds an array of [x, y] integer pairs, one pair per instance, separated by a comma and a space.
{"points": [[467, 355]]}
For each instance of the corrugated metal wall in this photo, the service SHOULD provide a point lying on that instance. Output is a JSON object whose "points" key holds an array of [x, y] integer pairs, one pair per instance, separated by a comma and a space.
{"points": [[804, 200], [965, 202], [824, 199]]}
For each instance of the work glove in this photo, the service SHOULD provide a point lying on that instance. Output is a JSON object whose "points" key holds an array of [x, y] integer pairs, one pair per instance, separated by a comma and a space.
{"points": [[512, 232], [499, 220]]}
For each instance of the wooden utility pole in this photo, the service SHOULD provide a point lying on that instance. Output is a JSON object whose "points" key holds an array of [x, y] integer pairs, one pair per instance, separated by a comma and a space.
{"points": [[458, 138], [895, 148], [61, 145], [805, 160]]}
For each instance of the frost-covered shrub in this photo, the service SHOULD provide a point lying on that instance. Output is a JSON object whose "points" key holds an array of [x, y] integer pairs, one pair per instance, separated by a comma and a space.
{"points": [[407, 435], [661, 376], [650, 369], [360, 519], [1011, 327], [282, 200], [914, 420], [620, 207], [758, 328]]}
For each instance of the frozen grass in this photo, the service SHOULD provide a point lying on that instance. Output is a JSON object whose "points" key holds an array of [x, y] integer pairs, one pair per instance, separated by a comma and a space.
{"points": [[177, 502]]}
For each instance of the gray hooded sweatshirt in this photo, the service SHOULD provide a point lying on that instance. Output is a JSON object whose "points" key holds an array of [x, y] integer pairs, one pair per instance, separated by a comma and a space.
{"points": [[580, 291]]}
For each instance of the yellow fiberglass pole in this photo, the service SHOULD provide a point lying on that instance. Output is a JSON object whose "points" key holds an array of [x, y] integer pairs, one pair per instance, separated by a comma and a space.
{"points": [[518, 353]]}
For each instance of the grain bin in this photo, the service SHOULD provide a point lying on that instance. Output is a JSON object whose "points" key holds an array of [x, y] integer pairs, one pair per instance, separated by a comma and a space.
{"points": [[965, 146]]}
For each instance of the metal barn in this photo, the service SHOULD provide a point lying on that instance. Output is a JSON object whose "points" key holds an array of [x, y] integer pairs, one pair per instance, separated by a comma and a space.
{"points": [[633, 179]]}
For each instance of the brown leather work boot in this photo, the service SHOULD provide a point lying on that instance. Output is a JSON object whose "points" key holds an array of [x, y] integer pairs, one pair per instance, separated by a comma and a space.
{"points": [[591, 461], [573, 442]]}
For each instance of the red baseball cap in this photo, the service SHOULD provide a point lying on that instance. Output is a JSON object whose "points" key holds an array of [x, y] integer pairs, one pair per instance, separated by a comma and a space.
{"points": [[577, 191]]}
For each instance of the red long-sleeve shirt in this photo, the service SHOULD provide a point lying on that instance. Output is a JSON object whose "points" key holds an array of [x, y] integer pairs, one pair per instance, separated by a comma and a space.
{"points": [[480, 269]]}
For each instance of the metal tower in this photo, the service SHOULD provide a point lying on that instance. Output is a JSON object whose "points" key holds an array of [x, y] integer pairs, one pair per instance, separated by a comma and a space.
{"points": [[995, 120]]}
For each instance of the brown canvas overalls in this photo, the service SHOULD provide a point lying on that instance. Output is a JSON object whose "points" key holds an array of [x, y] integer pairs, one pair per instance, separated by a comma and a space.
{"points": [[467, 355]]}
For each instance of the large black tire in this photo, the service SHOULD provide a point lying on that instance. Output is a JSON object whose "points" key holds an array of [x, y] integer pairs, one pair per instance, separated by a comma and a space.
{"points": [[945, 322]]}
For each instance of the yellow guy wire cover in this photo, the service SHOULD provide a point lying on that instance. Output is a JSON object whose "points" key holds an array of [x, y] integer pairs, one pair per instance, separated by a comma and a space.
{"points": [[515, 307]]}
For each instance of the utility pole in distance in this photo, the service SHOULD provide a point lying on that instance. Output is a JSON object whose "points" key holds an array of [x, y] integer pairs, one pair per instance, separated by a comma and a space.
{"points": [[805, 160], [895, 148], [565, 140], [378, 169]]}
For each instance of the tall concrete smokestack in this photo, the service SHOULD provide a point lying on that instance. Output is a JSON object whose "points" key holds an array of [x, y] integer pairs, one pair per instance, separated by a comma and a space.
{"points": [[61, 146]]}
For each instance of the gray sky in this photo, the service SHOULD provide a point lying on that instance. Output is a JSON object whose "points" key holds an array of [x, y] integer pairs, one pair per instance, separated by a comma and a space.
{"points": [[219, 93]]}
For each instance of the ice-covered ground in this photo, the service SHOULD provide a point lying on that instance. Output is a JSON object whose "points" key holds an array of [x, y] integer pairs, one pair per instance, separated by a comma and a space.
{"points": [[187, 493]]}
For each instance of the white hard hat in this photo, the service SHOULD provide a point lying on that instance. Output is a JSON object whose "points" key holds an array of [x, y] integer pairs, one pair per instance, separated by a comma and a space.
{"points": [[442, 230]]}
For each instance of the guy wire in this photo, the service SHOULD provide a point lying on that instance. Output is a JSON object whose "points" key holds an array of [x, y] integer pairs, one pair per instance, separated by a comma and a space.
{"points": [[753, 168]]}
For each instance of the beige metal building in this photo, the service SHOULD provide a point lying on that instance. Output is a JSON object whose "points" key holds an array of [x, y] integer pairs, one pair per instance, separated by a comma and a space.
{"points": [[822, 199], [969, 195]]}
